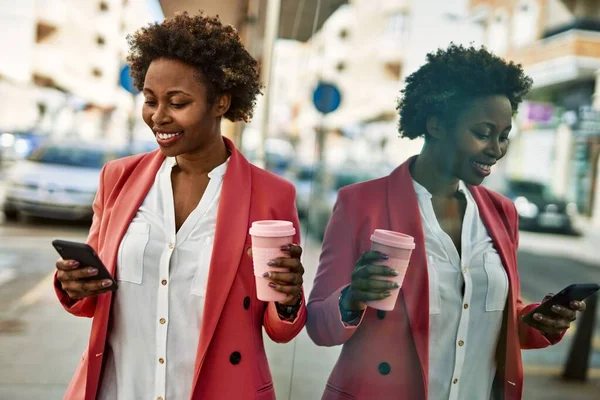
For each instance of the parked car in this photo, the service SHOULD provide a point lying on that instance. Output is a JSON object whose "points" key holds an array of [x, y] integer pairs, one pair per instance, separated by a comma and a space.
{"points": [[16, 146], [57, 181], [539, 209]]}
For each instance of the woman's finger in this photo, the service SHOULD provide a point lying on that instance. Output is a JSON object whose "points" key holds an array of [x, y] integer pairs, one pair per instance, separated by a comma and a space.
{"points": [[289, 290], [288, 278], [66, 265], [558, 324], [293, 250], [292, 264], [578, 305], [368, 257], [374, 285], [564, 312], [370, 296]]}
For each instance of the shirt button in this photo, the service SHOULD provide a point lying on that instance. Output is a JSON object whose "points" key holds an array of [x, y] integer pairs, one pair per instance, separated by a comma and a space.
{"points": [[466, 306], [159, 398], [162, 321], [461, 343], [455, 381], [161, 360], [164, 282], [464, 270], [171, 246]]}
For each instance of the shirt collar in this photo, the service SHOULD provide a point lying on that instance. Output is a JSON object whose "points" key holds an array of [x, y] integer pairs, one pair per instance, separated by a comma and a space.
{"points": [[421, 191], [218, 171]]}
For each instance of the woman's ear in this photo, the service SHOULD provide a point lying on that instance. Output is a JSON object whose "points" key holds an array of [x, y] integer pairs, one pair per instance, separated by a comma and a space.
{"points": [[435, 128], [222, 105]]}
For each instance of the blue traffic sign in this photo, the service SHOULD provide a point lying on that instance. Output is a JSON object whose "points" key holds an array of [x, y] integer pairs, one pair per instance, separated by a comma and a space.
{"points": [[126, 81], [327, 97]]}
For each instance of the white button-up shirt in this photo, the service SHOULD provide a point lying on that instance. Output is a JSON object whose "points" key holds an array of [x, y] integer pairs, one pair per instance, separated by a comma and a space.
{"points": [[156, 312], [463, 328]]}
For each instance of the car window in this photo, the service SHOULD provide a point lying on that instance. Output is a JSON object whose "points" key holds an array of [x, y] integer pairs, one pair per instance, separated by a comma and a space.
{"points": [[72, 156]]}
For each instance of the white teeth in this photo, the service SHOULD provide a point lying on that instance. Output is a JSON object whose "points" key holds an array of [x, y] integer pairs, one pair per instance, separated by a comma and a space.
{"points": [[165, 136], [484, 167]]}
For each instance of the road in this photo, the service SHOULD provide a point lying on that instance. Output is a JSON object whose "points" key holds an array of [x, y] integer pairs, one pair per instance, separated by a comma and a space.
{"points": [[300, 369]]}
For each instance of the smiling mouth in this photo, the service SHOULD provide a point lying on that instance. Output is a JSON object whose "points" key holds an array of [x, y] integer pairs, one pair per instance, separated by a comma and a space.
{"points": [[485, 167], [166, 135]]}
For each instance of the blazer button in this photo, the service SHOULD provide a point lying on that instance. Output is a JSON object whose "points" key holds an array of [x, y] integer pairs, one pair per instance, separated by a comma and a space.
{"points": [[384, 368], [235, 358], [246, 302], [380, 314]]}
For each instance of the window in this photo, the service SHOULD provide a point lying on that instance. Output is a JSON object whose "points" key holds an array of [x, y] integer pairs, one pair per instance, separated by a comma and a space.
{"points": [[397, 24], [525, 23], [498, 32]]}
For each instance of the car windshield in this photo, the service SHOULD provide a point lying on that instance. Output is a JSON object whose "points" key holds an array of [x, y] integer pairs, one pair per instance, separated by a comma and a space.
{"points": [[73, 156], [531, 189]]}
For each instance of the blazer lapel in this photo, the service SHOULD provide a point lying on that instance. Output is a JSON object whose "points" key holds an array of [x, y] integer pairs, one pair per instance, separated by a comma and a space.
{"points": [[134, 191], [493, 222], [405, 217], [230, 238]]}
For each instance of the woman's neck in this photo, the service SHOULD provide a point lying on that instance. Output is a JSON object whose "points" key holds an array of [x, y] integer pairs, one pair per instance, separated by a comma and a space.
{"points": [[428, 172], [203, 161]]}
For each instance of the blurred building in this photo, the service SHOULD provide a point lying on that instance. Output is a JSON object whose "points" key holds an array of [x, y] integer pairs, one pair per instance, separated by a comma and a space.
{"points": [[558, 132], [366, 48], [296, 21], [69, 54]]}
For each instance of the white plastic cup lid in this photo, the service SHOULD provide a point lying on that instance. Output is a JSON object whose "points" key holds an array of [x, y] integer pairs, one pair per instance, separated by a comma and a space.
{"points": [[393, 239], [272, 228]]}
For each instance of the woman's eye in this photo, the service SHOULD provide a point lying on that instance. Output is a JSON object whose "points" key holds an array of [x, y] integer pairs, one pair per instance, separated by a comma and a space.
{"points": [[149, 102], [179, 105], [481, 135]]}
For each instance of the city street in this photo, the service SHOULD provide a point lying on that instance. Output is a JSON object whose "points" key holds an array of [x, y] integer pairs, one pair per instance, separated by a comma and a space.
{"points": [[40, 344]]}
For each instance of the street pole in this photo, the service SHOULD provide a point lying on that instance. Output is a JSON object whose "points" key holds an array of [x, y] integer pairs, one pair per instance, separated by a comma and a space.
{"points": [[576, 368], [271, 33]]}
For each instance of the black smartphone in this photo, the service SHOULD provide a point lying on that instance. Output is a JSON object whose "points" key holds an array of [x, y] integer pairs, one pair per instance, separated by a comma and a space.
{"points": [[86, 256], [578, 292]]}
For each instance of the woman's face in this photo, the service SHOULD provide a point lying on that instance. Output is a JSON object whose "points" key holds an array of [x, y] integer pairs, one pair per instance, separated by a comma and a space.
{"points": [[477, 141], [177, 109]]}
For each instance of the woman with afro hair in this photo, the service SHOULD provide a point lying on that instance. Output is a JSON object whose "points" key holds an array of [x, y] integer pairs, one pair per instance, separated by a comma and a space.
{"points": [[455, 331], [172, 227]]}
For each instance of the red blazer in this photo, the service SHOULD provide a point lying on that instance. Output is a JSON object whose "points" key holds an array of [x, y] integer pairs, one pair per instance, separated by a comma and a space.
{"points": [[229, 324], [386, 356]]}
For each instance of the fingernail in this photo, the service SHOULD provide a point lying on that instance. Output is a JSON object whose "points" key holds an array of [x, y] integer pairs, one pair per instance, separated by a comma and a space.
{"points": [[266, 275], [384, 256], [394, 272], [396, 285], [387, 294], [271, 263], [271, 285], [106, 283], [285, 247], [555, 308], [92, 271], [537, 317], [74, 263]]}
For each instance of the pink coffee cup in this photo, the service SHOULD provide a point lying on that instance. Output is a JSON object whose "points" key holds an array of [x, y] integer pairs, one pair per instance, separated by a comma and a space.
{"points": [[398, 247], [267, 238]]}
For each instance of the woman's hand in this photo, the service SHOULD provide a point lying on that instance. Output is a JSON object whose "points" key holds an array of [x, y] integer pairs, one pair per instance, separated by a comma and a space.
{"points": [[289, 282], [70, 275], [365, 287], [560, 318]]}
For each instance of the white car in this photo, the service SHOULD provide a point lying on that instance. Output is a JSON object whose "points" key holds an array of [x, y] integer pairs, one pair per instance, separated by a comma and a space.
{"points": [[56, 181]]}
